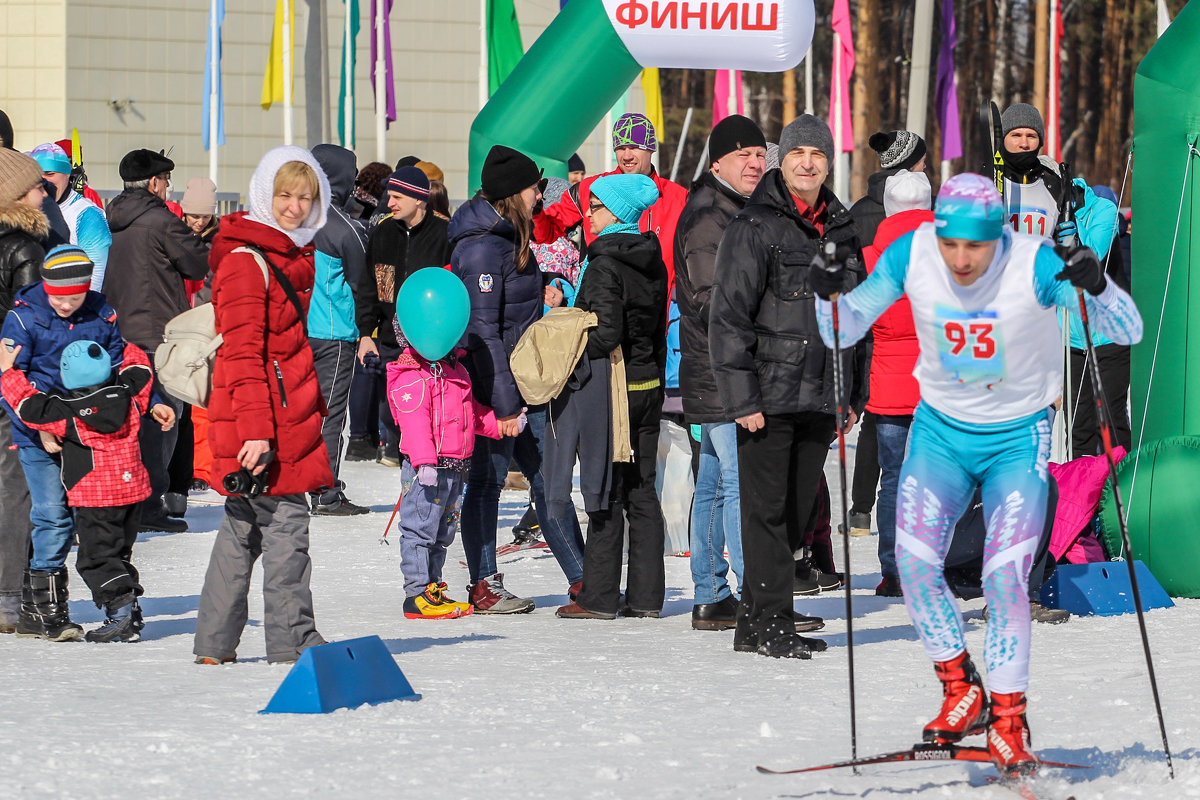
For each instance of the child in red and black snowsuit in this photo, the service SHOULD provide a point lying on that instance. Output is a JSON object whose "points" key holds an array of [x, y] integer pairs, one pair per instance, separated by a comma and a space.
{"points": [[97, 420]]}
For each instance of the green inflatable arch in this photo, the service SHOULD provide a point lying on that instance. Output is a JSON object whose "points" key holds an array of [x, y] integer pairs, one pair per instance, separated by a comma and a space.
{"points": [[1165, 504], [1162, 512]]}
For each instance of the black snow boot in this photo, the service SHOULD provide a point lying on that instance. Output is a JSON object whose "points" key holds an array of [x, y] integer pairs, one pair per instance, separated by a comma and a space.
{"points": [[44, 610], [121, 626]]}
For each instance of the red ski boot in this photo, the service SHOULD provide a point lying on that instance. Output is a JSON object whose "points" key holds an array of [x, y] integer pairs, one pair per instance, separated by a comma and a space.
{"points": [[1008, 736], [964, 702]]}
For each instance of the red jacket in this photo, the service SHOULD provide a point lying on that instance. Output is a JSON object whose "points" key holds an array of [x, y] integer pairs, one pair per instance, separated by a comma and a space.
{"points": [[264, 384], [894, 390], [101, 461], [662, 217]]}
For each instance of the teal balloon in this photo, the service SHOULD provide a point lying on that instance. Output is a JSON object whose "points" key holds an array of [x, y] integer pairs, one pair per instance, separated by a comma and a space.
{"points": [[433, 309]]}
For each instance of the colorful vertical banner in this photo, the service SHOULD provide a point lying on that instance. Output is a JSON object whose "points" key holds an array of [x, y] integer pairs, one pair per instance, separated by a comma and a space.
{"points": [[839, 88], [503, 42], [381, 11], [652, 90], [946, 94], [212, 68], [272, 91], [727, 94], [346, 114]]}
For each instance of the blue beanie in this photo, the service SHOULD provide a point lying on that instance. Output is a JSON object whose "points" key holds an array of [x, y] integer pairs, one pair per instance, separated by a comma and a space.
{"points": [[51, 158], [626, 196], [84, 363]]}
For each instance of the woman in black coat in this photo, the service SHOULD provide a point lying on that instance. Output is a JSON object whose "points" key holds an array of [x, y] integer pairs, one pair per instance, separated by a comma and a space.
{"points": [[491, 235], [624, 282]]}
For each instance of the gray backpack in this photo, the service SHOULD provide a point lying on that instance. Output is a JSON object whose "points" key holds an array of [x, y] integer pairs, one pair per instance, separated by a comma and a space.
{"points": [[184, 361]]}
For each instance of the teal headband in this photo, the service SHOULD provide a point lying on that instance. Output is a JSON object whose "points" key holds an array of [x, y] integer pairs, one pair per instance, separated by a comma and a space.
{"points": [[954, 226]]}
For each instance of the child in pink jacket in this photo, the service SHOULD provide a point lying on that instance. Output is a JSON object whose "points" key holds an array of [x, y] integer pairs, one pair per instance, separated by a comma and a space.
{"points": [[438, 417]]}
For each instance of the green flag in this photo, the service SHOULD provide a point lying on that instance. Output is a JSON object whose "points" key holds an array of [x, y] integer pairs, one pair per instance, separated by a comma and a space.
{"points": [[346, 98], [503, 42]]}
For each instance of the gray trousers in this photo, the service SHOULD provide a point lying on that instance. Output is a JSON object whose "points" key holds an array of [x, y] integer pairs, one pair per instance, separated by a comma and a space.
{"points": [[277, 529], [14, 513], [334, 364]]}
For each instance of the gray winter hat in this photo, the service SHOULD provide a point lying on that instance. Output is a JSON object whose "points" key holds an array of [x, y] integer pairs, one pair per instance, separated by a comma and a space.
{"points": [[1022, 115], [807, 131]]}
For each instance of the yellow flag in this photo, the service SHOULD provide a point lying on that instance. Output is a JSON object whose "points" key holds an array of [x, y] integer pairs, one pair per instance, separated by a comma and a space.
{"points": [[653, 92], [273, 81]]}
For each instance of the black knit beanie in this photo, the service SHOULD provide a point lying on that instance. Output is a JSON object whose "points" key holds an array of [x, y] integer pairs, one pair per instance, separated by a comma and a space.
{"points": [[733, 133], [507, 172]]}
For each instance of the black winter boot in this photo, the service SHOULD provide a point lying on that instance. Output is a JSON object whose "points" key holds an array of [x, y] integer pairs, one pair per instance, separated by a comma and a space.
{"points": [[44, 610], [120, 625]]}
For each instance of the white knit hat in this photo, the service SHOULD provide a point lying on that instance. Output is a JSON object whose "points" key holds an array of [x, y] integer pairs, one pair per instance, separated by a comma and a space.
{"points": [[262, 190], [907, 191]]}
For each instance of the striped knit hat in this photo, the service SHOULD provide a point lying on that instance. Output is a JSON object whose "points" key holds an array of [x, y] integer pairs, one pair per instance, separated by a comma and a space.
{"points": [[410, 181], [66, 270]]}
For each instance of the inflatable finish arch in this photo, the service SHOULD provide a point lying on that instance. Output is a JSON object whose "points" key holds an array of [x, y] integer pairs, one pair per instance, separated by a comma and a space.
{"points": [[587, 57]]}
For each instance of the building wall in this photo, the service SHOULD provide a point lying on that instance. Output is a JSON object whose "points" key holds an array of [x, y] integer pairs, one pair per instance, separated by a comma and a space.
{"points": [[68, 61]]}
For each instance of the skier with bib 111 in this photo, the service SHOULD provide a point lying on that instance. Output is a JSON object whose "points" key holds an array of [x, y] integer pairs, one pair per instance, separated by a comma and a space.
{"points": [[983, 300]]}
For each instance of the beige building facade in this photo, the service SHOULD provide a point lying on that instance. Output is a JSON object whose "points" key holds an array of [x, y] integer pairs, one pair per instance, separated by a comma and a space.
{"points": [[130, 74]]}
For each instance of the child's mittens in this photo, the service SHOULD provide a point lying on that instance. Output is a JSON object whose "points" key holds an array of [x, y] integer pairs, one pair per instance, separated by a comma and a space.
{"points": [[427, 475], [522, 421]]}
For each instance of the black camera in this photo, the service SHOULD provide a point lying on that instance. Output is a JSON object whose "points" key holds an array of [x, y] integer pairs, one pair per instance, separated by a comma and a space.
{"points": [[246, 484]]}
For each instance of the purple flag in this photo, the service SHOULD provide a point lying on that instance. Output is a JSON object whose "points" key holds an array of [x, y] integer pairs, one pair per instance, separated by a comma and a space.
{"points": [[947, 87], [387, 49]]}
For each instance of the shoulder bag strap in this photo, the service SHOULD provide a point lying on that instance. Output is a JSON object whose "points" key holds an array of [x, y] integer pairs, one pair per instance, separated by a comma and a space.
{"points": [[286, 285]]}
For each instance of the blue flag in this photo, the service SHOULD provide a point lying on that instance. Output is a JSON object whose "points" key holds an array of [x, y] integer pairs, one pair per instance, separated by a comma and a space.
{"points": [[212, 55]]}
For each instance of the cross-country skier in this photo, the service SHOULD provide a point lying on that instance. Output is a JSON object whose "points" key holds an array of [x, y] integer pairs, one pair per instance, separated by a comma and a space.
{"points": [[983, 300]]}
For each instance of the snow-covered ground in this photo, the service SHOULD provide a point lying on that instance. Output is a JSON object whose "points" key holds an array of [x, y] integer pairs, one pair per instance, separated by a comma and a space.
{"points": [[533, 706]]}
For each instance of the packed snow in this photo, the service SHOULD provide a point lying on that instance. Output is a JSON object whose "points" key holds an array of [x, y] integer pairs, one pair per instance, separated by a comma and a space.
{"points": [[531, 706]]}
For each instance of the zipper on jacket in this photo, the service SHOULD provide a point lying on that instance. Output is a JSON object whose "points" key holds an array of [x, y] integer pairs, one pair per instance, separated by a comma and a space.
{"points": [[279, 380]]}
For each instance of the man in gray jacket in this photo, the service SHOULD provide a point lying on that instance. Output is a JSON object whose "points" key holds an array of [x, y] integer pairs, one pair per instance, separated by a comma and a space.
{"points": [[152, 252], [340, 262]]}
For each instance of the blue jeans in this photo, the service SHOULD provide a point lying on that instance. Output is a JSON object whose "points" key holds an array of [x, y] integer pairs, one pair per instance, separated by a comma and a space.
{"points": [[53, 528], [892, 435], [481, 502], [716, 514]]}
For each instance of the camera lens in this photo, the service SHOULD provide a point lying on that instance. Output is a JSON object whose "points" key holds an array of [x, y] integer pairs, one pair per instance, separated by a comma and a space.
{"points": [[236, 482]]}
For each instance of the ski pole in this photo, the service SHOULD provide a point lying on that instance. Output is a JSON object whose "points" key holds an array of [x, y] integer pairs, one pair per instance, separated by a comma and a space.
{"points": [[838, 400], [391, 519], [1106, 436]]}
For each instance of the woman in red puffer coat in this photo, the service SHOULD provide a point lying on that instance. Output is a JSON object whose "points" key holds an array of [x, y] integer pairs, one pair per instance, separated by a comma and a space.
{"points": [[266, 410]]}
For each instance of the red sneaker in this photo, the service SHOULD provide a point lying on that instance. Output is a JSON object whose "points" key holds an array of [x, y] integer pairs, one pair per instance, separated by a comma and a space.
{"points": [[1008, 736], [964, 702], [489, 596]]}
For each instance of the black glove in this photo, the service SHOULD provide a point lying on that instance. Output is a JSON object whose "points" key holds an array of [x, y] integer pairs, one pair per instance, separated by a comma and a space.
{"points": [[1082, 269], [826, 276], [373, 365]]}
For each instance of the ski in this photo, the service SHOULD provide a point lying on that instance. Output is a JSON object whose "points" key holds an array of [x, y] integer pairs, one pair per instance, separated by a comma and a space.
{"points": [[993, 139], [517, 547], [919, 752]]}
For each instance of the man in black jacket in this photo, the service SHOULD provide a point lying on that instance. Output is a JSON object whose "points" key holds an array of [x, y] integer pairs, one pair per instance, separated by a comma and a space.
{"points": [[152, 252], [775, 376], [737, 151], [406, 240]]}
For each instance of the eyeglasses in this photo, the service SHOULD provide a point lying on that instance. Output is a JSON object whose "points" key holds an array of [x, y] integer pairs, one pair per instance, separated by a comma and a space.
{"points": [[594, 207]]}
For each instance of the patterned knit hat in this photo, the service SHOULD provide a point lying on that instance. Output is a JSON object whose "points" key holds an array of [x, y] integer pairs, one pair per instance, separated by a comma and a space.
{"points": [[634, 130], [84, 363], [51, 158], [66, 270], [18, 174], [969, 207], [626, 196], [898, 149], [410, 181]]}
